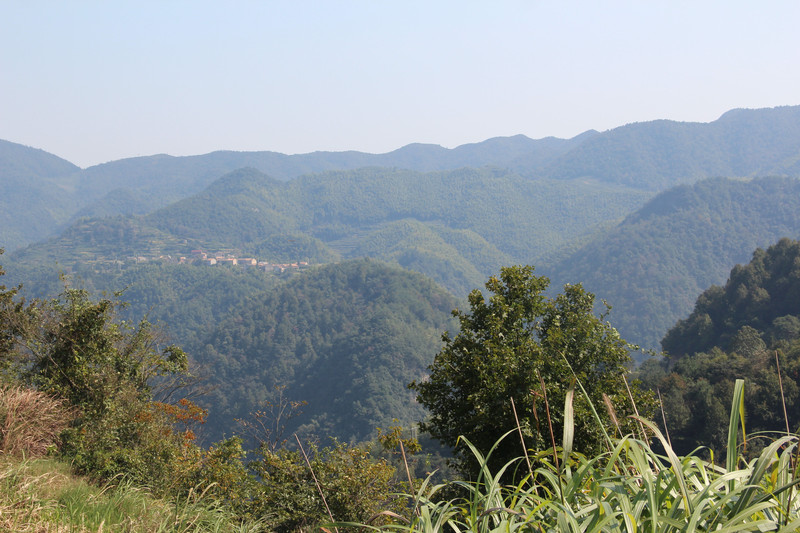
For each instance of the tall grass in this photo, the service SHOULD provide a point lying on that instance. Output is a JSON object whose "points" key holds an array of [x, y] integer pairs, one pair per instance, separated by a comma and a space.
{"points": [[30, 421], [42, 496], [631, 488]]}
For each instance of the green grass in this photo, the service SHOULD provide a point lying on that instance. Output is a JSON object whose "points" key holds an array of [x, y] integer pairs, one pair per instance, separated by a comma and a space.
{"points": [[42, 496]]}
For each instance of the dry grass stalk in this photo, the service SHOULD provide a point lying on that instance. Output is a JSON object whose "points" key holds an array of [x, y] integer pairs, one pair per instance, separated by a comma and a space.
{"points": [[30, 421], [612, 413]]}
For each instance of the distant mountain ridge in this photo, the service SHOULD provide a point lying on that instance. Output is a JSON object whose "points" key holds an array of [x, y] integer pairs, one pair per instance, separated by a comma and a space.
{"points": [[651, 156], [35, 194], [659, 154]]}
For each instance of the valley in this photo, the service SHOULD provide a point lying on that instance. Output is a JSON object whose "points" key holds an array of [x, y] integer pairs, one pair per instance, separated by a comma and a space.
{"points": [[636, 214]]}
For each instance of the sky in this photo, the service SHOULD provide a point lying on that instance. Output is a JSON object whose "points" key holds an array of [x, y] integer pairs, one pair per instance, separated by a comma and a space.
{"points": [[96, 81]]}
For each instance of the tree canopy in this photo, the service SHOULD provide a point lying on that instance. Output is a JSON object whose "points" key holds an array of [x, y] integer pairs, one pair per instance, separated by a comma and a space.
{"points": [[511, 345], [747, 329]]}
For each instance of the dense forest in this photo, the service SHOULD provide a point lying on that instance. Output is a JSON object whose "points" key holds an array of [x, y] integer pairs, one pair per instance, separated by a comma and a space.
{"points": [[346, 339], [490, 217], [654, 264], [105, 399], [750, 329]]}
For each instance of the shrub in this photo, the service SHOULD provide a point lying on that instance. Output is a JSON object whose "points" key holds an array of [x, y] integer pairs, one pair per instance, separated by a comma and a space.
{"points": [[355, 486]]}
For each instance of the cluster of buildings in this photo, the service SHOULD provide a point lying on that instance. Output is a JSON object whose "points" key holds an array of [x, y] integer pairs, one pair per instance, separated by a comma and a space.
{"points": [[199, 256], [220, 258]]}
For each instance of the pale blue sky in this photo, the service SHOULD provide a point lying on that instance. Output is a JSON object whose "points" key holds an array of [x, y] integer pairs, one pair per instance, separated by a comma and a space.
{"points": [[95, 81]]}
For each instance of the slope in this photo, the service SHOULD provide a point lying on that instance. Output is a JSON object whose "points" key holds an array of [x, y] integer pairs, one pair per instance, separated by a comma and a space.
{"points": [[763, 295], [653, 265], [742, 330], [34, 194], [458, 226], [346, 338], [659, 154], [651, 156]]}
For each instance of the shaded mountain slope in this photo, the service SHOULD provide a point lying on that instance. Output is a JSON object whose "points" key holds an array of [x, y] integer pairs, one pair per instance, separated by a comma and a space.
{"points": [[653, 265], [346, 338], [35, 194]]}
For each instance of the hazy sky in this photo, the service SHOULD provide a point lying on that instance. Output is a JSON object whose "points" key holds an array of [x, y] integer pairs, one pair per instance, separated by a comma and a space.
{"points": [[95, 81]]}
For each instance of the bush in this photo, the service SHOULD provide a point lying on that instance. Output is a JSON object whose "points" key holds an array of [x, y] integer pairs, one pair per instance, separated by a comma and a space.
{"points": [[355, 485]]}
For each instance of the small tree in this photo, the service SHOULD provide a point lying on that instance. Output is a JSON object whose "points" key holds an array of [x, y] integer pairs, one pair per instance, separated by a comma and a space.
{"points": [[106, 369], [504, 344]]}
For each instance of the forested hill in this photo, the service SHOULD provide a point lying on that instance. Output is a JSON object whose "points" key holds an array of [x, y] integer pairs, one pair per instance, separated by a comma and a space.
{"points": [[659, 154], [345, 338], [763, 295], [522, 218], [164, 179], [457, 227], [35, 197], [653, 265], [748, 328], [651, 156]]}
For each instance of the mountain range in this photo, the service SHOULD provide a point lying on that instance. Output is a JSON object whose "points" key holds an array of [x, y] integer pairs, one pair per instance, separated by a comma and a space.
{"points": [[650, 156], [646, 216]]}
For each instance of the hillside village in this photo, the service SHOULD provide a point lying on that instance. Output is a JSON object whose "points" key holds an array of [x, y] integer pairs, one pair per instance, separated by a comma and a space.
{"points": [[200, 257]]}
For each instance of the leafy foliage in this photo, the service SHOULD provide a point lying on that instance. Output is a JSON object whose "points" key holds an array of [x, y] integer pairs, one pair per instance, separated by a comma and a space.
{"points": [[630, 488], [106, 370], [744, 330], [300, 489], [505, 342]]}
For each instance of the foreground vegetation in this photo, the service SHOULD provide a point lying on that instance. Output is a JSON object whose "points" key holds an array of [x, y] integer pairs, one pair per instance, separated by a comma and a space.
{"points": [[631, 487], [109, 398], [43, 496]]}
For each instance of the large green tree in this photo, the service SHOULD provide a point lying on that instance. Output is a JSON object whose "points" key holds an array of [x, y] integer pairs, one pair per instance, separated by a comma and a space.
{"points": [[505, 343]]}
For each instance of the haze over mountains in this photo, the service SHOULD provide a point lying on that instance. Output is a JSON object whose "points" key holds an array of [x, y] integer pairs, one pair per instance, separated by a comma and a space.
{"points": [[650, 156], [647, 216]]}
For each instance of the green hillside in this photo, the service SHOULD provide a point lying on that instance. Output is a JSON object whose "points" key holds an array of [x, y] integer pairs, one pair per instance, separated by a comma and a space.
{"points": [[446, 225], [345, 338], [457, 227], [650, 156], [35, 194], [743, 329], [653, 265], [763, 295], [659, 154]]}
